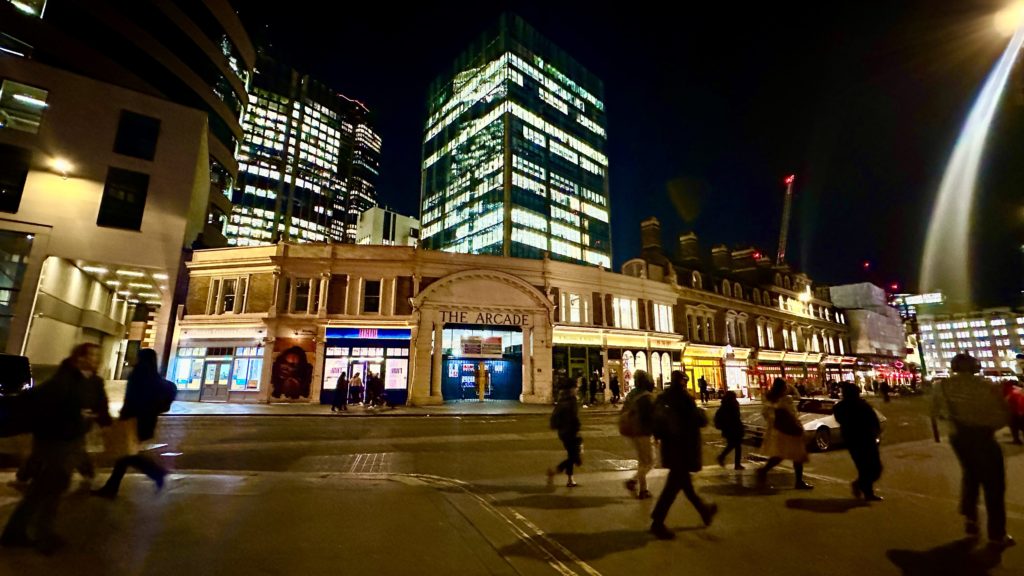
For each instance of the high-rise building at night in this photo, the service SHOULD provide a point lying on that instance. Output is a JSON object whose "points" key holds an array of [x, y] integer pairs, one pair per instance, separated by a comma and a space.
{"points": [[307, 164], [514, 153]]}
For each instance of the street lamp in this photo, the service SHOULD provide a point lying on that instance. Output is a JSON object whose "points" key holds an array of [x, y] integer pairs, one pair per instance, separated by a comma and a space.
{"points": [[1010, 19]]}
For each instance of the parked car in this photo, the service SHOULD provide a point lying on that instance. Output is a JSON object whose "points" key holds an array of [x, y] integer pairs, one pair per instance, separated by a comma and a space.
{"points": [[816, 414], [15, 378]]}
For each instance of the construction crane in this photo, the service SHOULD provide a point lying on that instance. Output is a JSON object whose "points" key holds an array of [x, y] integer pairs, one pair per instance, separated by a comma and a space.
{"points": [[787, 207]]}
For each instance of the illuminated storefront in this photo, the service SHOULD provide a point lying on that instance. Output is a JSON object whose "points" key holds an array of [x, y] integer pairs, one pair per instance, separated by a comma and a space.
{"points": [[383, 352], [218, 364]]}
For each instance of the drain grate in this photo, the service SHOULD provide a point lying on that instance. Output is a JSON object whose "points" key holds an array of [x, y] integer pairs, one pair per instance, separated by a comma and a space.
{"points": [[370, 463]]}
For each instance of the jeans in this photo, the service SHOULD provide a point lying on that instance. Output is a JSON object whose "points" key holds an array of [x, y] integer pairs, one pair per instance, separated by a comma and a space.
{"points": [[572, 451], [678, 479], [730, 445], [645, 459], [143, 463], [981, 461]]}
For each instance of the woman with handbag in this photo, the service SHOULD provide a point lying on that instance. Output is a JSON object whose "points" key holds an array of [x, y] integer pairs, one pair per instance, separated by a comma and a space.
{"points": [[783, 435], [146, 396]]}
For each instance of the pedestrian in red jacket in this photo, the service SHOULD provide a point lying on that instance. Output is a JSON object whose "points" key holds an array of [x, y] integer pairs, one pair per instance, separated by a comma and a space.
{"points": [[1015, 398]]}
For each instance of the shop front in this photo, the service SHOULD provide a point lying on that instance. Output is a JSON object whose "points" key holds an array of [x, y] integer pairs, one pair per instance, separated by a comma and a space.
{"points": [[218, 364], [482, 362], [360, 354], [838, 369], [704, 361]]}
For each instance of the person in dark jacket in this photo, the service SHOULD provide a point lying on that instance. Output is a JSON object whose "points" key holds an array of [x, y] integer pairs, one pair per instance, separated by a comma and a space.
{"points": [[93, 397], [566, 420], [613, 386], [341, 394], [593, 385], [677, 424], [727, 419], [702, 385], [146, 396], [60, 425], [861, 429]]}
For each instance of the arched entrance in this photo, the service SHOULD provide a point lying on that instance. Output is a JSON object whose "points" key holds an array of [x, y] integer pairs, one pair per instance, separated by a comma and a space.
{"points": [[481, 330]]}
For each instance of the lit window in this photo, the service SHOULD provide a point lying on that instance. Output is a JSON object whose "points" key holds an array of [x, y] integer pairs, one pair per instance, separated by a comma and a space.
{"points": [[625, 313], [21, 106]]}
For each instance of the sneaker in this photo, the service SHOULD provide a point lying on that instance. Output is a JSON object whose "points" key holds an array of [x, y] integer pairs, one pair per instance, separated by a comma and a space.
{"points": [[708, 514], [631, 485], [643, 495], [571, 484], [661, 532], [1003, 543], [801, 485]]}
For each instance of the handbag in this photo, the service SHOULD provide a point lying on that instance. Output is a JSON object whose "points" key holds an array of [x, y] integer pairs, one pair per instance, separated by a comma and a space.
{"points": [[787, 423], [121, 438]]}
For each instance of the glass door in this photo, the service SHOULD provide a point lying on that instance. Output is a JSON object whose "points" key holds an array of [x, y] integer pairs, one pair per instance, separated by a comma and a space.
{"points": [[215, 381]]}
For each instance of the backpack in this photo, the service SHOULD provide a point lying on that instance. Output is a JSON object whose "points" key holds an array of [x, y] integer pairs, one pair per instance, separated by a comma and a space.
{"points": [[629, 417], [168, 392], [666, 423]]}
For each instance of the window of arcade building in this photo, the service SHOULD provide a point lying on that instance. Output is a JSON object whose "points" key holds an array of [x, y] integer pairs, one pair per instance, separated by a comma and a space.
{"points": [[475, 358]]}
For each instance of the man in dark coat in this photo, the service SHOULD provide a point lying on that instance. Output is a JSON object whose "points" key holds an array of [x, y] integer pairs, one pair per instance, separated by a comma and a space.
{"points": [[702, 384], [341, 394], [58, 434], [860, 427], [613, 385], [565, 419], [677, 424]]}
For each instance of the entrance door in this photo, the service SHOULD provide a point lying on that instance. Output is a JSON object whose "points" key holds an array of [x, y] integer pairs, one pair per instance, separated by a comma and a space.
{"points": [[215, 381]]}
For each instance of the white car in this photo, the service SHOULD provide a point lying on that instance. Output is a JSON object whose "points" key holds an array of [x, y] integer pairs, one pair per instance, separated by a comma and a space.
{"points": [[816, 414]]}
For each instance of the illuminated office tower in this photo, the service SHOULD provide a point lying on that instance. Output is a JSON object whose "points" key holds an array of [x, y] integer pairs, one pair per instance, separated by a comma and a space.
{"points": [[514, 157], [307, 164]]}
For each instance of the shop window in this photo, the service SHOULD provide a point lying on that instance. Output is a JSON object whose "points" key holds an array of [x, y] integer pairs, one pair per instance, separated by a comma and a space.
{"points": [[21, 106], [14, 166], [124, 199], [137, 135], [371, 296]]}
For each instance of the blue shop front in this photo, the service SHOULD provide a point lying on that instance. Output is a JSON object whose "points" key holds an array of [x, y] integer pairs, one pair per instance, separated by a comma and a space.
{"points": [[351, 351]]}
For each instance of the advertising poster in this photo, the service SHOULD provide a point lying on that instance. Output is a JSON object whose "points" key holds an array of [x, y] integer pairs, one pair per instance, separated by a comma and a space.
{"points": [[292, 373], [471, 345], [396, 375], [333, 368]]}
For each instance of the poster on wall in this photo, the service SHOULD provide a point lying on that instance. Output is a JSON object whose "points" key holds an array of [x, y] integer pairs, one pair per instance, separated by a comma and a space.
{"points": [[292, 373], [482, 347], [333, 368], [395, 377]]}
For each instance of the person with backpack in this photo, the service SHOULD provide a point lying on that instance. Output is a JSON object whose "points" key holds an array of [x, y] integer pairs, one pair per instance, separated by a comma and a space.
{"points": [[566, 420], [727, 419], [677, 424], [976, 410], [636, 423], [783, 435], [146, 396]]}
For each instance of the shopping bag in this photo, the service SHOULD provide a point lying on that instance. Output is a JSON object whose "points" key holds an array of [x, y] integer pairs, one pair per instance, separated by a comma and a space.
{"points": [[121, 438]]}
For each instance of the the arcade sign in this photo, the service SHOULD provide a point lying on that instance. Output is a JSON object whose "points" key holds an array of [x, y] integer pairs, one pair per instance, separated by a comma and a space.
{"points": [[495, 317]]}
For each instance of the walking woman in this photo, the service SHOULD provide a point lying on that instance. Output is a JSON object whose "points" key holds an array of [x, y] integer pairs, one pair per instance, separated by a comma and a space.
{"points": [[146, 396], [783, 435], [566, 420]]}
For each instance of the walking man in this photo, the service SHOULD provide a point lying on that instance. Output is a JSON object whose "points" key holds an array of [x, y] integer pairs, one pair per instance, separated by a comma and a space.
{"points": [[976, 410], [566, 420], [340, 402], [677, 424], [636, 423], [727, 419], [861, 429], [613, 386], [703, 385], [58, 433]]}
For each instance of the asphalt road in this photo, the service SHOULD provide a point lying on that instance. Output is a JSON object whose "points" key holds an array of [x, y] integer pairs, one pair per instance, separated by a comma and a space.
{"points": [[323, 495]]}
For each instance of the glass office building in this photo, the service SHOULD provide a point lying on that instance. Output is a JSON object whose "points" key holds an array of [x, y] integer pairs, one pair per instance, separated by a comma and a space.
{"points": [[513, 153], [307, 165]]}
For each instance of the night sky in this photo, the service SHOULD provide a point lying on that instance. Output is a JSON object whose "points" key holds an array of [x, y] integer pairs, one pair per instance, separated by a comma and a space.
{"points": [[710, 106]]}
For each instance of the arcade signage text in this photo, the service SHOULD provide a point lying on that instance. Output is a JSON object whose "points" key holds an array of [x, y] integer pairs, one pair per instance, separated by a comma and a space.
{"points": [[497, 318]]}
